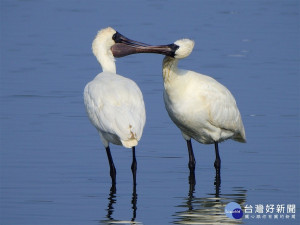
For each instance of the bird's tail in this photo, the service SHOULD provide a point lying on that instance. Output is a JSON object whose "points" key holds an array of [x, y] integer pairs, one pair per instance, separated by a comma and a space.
{"points": [[240, 137], [129, 143]]}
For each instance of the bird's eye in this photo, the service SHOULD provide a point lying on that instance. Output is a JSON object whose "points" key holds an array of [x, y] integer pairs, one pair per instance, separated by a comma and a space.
{"points": [[116, 37], [174, 47]]}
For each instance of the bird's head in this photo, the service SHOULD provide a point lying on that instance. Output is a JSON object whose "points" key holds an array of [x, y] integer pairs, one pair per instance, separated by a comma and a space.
{"points": [[103, 41], [184, 48]]}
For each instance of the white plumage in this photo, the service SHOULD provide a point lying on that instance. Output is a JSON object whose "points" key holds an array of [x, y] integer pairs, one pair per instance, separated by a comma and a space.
{"points": [[202, 108], [116, 108], [114, 104]]}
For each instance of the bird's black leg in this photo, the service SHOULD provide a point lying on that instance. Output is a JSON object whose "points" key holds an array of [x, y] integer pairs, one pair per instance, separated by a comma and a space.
{"points": [[192, 182], [134, 166], [217, 163], [134, 194], [192, 161], [111, 165]]}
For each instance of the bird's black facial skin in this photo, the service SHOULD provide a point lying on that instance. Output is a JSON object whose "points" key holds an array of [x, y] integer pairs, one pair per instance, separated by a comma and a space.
{"points": [[173, 47], [124, 46], [116, 37]]}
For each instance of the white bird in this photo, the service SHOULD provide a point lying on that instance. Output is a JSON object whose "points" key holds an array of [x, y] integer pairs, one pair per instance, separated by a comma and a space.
{"points": [[115, 104], [202, 108]]}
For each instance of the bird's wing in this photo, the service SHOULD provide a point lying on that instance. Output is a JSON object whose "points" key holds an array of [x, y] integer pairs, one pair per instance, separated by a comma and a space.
{"points": [[115, 105], [222, 110]]}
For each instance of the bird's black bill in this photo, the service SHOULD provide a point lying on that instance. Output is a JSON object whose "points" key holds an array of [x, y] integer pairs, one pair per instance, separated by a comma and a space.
{"points": [[121, 50], [125, 46]]}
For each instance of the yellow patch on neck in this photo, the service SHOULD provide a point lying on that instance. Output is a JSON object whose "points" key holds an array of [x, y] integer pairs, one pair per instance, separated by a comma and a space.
{"points": [[169, 65]]}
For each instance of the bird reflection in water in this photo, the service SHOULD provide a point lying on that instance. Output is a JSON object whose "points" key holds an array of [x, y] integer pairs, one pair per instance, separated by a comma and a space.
{"points": [[217, 182], [210, 209], [112, 199]]}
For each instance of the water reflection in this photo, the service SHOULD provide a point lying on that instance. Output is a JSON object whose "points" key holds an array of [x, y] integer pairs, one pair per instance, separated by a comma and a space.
{"points": [[217, 182], [133, 203], [209, 209], [112, 199]]}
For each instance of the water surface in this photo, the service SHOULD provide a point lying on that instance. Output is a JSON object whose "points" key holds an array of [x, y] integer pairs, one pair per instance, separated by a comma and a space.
{"points": [[54, 168]]}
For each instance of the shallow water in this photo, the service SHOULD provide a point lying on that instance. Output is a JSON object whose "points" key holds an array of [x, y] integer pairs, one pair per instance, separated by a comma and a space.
{"points": [[54, 169]]}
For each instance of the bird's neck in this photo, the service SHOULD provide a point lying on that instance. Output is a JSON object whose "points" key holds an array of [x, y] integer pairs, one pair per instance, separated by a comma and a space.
{"points": [[169, 69], [107, 61]]}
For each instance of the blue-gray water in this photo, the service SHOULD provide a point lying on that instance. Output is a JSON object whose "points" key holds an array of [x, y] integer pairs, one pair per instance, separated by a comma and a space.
{"points": [[54, 169]]}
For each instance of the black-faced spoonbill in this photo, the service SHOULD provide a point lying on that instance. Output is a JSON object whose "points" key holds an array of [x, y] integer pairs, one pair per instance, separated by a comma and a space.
{"points": [[202, 108], [115, 104]]}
